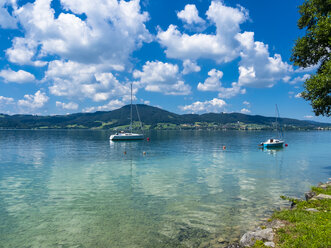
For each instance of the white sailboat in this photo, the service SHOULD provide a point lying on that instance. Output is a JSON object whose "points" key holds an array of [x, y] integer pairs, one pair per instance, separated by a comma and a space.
{"points": [[128, 136], [274, 143]]}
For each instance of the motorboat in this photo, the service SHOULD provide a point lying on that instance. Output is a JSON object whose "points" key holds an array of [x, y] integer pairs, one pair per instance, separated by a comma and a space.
{"points": [[273, 143]]}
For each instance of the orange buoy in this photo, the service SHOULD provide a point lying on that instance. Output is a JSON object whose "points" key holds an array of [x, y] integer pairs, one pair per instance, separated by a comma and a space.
{"points": [[124, 152], [147, 138], [286, 145], [224, 147], [144, 153]]}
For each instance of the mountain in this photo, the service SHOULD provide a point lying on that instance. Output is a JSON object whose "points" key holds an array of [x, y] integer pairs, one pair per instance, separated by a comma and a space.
{"points": [[153, 118]]}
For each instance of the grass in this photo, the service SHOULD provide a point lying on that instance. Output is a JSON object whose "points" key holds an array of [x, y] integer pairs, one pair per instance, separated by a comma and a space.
{"points": [[306, 229]]}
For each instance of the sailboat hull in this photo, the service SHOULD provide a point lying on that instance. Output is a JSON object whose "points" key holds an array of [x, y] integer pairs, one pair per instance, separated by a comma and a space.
{"points": [[126, 136]]}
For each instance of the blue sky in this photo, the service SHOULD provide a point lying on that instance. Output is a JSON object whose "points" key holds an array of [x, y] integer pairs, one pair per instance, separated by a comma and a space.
{"points": [[67, 56]]}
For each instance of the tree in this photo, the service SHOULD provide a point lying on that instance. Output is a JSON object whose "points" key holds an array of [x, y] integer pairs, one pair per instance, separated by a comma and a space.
{"points": [[314, 49]]}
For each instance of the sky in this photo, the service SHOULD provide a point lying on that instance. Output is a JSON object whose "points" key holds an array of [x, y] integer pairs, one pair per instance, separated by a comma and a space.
{"points": [[68, 56]]}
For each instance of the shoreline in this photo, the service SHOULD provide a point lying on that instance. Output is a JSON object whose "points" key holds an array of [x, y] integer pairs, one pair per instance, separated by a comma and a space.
{"points": [[268, 234]]}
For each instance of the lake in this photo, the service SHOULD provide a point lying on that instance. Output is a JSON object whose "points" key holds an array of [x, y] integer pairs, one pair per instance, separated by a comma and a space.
{"points": [[75, 188]]}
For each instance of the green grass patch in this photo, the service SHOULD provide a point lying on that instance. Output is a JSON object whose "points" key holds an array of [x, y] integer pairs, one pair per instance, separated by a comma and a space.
{"points": [[306, 229], [103, 124]]}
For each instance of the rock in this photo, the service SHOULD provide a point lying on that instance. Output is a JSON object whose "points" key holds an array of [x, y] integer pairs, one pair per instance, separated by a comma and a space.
{"points": [[221, 240], [311, 210], [322, 197], [270, 244], [276, 224], [233, 246], [309, 195], [249, 238], [324, 186]]}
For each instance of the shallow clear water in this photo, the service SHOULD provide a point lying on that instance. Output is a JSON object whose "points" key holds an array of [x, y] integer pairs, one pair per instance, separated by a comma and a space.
{"points": [[77, 189]]}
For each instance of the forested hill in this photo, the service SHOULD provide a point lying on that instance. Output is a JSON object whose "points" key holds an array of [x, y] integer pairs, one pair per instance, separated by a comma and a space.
{"points": [[152, 118]]}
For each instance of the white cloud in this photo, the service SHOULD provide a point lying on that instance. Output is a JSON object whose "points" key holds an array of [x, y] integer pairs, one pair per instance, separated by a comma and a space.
{"points": [[245, 111], [299, 95], [308, 116], [69, 105], [234, 90], [162, 77], [213, 83], [222, 47], [36, 101], [190, 66], [111, 31], [73, 79], [6, 100], [246, 103], [23, 52], [113, 104], [257, 68], [214, 105], [19, 76], [299, 79], [7, 20], [190, 15]]}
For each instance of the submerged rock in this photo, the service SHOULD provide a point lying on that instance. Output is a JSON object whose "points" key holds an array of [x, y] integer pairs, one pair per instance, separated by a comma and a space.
{"points": [[249, 238], [236, 245]]}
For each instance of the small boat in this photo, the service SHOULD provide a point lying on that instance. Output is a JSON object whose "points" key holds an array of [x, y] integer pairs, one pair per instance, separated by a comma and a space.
{"points": [[128, 136], [274, 143]]}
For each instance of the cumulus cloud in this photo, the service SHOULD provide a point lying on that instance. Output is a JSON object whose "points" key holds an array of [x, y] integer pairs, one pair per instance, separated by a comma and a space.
{"points": [[215, 105], [74, 79], [7, 20], [23, 52], [257, 68], [308, 116], [245, 111], [190, 66], [213, 83], [69, 105], [113, 104], [32, 102], [19, 76], [299, 79], [162, 77], [221, 47], [190, 15], [111, 31], [6, 100], [299, 95]]}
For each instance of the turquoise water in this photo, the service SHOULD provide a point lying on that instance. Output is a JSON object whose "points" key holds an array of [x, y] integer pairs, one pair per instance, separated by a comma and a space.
{"points": [[77, 189]]}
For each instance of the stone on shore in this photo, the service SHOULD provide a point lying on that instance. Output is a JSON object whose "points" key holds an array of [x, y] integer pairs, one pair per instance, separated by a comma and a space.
{"points": [[311, 210], [321, 197], [249, 238], [270, 244], [309, 195]]}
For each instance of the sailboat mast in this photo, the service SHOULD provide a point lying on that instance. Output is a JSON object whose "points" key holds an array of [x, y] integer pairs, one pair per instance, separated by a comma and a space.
{"points": [[276, 114], [131, 111]]}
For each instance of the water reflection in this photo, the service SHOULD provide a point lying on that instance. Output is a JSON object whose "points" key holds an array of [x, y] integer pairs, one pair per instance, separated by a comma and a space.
{"points": [[80, 189]]}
